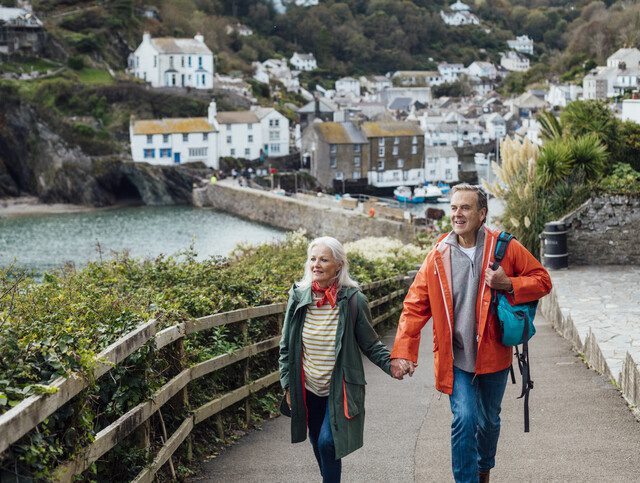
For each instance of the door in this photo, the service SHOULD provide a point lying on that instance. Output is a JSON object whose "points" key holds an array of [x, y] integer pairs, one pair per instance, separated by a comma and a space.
{"points": [[176, 158]]}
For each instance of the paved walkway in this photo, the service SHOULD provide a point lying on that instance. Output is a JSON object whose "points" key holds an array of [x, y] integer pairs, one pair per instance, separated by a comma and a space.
{"points": [[581, 430]]}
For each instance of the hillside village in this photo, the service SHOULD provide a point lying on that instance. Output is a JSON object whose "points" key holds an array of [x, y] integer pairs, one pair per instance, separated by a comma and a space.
{"points": [[404, 127]]}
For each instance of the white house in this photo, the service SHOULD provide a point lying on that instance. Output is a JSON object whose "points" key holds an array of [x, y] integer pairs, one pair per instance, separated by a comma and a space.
{"points": [[561, 95], [239, 134], [631, 57], [171, 62], [441, 164], [631, 110], [514, 62], [482, 69], [495, 125], [175, 141], [241, 29], [375, 83], [305, 62], [522, 44], [20, 29], [460, 7], [457, 19], [348, 85], [418, 78], [274, 129], [450, 72]]}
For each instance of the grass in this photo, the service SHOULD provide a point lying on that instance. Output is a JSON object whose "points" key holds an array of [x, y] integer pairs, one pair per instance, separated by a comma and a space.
{"points": [[20, 66], [93, 76]]}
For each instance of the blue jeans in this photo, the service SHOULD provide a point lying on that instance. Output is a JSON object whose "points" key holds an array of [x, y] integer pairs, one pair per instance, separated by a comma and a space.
{"points": [[322, 439], [475, 428]]}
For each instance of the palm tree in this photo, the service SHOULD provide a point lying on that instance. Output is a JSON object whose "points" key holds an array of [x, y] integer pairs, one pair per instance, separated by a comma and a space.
{"points": [[555, 162], [551, 127], [588, 157]]}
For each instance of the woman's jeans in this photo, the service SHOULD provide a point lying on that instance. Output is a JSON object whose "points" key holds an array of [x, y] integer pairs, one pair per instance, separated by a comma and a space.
{"points": [[322, 439], [475, 428]]}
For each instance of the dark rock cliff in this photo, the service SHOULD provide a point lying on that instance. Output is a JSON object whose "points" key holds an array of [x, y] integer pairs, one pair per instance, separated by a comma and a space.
{"points": [[35, 160]]}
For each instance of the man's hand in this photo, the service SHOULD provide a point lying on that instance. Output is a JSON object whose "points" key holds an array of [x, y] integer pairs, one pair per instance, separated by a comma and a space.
{"points": [[400, 367], [497, 279], [288, 396]]}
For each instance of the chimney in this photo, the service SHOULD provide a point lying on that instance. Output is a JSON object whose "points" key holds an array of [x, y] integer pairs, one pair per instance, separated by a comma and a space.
{"points": [[212, 112], [146, 37], [199, 38]]}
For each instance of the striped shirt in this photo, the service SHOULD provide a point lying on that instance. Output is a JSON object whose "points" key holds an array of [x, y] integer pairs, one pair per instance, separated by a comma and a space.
{"points": [[319, 346]]}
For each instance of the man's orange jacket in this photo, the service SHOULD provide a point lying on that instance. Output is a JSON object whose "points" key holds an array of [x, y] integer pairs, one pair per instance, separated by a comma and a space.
{"points": [[431, 295]]}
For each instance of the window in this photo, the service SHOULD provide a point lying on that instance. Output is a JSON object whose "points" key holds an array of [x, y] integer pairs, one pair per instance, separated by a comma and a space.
{"points": [[155, 61], [205, 136], [171, 61], [197, 152], [149, 138], [228, 139], [149, 153], [189, 61], [275, 148], [250, 138], [333, 161], [339, 175], [165, 153], [414, 149], [137, 61], [357, 148], [233, 152], [356, 161], [395, 150], [203, 80], [247, 152], [432, 172], [381, 151], [381, 142], [414, 140], [228, 127], [165, 138], [381, 165], [274, 135], [356, 175], [396, 140], [200, 62], [333, 149], [182, 61], [185, 138], [274, 122], [400, 163], [249, 127]]}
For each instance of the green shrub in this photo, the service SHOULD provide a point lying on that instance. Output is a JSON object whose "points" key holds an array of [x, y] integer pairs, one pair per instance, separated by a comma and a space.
{"points": [[624, 180], [76, 62]]}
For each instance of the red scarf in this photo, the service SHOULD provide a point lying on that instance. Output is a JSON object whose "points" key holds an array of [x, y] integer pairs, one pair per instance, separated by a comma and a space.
{"points": [[329, 294]]}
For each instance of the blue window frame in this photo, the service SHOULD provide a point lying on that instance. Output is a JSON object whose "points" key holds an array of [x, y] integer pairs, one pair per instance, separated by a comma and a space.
{"points": [[165, 153], [149, 153], [200, 62]]}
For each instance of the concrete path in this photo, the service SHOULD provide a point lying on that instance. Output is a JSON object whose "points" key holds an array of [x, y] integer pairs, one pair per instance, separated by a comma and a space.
{"points": [[581, 430]]}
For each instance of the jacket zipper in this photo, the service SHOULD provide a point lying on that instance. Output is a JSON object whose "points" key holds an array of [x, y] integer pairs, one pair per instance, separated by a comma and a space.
{"points": [[446, 308]]}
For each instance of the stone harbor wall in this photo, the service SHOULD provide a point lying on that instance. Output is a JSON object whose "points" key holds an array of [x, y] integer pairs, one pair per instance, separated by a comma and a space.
{"points": [[605, 231], [316, 218]]}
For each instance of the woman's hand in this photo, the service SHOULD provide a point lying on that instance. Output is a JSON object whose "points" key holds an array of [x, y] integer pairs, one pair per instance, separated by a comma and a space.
{"points": [[288, 396]]}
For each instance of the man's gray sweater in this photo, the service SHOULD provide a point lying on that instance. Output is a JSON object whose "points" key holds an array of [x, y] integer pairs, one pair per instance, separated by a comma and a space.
{"points": [[465, 278]]}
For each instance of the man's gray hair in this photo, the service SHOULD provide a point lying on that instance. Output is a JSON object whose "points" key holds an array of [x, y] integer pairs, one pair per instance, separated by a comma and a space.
{"points": [[339, 253], [482, 196]]}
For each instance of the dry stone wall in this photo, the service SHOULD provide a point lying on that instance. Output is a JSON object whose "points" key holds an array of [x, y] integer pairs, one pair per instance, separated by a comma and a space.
{"points": [[291, 214], [605, 231]]}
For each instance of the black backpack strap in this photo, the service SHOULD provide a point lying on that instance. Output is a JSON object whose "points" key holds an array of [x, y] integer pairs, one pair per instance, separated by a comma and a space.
{"points": [[525, 370]]}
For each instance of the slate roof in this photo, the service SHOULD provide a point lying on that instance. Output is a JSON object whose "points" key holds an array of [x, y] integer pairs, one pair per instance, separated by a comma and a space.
{"points": [[237, 117], [339, 133], [169, 45], [401, 104], [389, 129]]}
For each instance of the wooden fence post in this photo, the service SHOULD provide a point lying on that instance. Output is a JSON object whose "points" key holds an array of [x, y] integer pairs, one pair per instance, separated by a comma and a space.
{"points": [[247, 402]]}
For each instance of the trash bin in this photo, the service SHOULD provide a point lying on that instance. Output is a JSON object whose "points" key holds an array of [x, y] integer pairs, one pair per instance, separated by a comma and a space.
{"points": [[554, 238]]}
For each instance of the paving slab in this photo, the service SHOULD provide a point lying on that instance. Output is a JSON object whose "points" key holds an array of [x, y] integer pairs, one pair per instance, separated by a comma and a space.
{"points": [[581, 430]]}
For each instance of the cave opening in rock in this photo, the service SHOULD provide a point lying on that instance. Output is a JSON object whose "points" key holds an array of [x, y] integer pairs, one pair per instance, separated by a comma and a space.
{"points": [[126, 193]]}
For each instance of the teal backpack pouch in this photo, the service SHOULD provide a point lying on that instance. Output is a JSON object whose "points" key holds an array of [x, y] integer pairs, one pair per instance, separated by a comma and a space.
{"points": [[516, 321]]}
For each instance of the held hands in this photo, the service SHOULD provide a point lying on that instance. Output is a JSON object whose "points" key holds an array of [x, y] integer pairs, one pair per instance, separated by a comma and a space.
{"points": [[400, 367], [288, 396], [497, 279]]}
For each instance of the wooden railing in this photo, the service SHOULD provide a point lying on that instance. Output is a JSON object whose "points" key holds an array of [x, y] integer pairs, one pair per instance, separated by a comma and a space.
{"points": [[26, 416]]}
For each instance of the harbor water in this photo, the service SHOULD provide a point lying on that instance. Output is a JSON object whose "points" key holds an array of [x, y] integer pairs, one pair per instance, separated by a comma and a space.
{"points": [[44, 242]]}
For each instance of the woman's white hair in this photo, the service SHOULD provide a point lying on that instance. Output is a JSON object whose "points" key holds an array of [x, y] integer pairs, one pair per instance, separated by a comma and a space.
{"points": [[339, 253]]}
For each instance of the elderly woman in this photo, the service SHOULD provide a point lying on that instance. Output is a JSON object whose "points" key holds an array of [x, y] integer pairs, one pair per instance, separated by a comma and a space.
{"points": [[327, 323]]}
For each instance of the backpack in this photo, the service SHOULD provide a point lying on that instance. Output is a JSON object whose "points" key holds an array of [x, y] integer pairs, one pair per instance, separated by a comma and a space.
{"points": [[516, 326]]}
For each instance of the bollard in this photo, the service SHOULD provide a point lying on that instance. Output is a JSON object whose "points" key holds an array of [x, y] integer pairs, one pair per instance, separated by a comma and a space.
{"points": [[554, 238]]}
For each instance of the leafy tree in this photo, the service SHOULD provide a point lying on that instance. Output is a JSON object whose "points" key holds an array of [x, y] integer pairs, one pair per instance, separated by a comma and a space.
{"points": [[586, 117]]}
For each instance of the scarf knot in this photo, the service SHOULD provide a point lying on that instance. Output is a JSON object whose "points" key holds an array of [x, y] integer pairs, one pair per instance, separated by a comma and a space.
{"points": [[329, 294]]}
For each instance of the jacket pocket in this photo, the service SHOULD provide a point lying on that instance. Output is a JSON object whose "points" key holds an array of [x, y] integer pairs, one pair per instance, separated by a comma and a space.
{"points": [[353, 383]]}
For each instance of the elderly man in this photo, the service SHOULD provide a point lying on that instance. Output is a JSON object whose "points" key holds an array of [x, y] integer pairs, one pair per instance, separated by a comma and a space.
{"points": [[471, 365]]}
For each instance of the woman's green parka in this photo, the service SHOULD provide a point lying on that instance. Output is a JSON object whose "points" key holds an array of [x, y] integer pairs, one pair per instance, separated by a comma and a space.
{"points": [[347, 423]]}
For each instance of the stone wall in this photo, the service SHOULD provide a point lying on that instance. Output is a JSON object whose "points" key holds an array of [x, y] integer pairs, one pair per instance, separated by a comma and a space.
{"points": [[604, 231], [291, 214]]}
